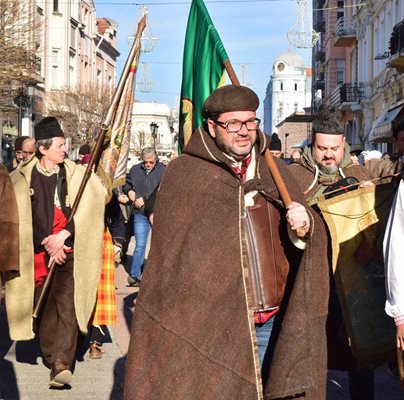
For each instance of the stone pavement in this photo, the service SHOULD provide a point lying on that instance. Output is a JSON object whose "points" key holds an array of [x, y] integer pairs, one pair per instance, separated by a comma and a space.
{"points": [[23, 376]]}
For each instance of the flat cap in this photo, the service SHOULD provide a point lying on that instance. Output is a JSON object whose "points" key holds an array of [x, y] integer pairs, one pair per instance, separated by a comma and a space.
{"points": [[355, 148], [48, 128], [19, 141], [84, 149], [230, 98]]}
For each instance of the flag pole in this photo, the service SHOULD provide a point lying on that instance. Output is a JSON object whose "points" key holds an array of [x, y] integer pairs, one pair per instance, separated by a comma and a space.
{"points": [[96, 155], [279, 182]]}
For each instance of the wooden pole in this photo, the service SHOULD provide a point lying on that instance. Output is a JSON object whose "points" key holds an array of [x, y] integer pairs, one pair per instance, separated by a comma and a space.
{"points": [[96, 154], [279, 182]]}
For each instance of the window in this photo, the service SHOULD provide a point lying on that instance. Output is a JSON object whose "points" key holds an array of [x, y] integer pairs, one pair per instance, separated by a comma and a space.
{"points": [[56, 54], [72, 76], [281, 86], [340, 71], [72, 37], [280, 111], [296, 106], [295, 86], [55, 6]]}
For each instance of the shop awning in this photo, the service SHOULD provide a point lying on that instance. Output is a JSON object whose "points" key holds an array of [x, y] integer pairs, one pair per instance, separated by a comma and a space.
{"points": [[382, 127]]}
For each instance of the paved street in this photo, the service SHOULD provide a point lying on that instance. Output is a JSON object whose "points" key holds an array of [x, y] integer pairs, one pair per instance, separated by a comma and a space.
{"points": [[23, 376]]}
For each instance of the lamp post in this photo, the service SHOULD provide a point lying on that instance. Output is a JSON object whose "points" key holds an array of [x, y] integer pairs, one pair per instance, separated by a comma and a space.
{"points": [[154, 129], [24, 101]]}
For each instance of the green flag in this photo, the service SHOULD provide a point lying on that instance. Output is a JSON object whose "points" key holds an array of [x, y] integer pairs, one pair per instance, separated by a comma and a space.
{"points": [[202, 70]]}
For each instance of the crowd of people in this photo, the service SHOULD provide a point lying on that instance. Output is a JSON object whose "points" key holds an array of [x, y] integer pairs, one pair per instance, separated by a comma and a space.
{"points": [[256, 310]]}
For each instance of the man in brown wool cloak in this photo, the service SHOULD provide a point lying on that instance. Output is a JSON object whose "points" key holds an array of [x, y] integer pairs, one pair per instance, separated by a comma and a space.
{"points": [[229, 307]]}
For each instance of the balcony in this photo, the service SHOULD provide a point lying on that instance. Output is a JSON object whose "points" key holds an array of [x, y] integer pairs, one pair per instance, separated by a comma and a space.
{"points": [[344, 33], [346, 95], [396, 47]]}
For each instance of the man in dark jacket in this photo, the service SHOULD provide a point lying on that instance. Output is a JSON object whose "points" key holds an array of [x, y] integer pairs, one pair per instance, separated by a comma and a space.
{"points": [[326, 165], [202, 325], [141, 181]]}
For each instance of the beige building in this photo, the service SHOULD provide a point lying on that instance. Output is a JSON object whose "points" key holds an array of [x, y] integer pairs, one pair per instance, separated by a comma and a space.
{"points": [[354, 68], [73, 49]]}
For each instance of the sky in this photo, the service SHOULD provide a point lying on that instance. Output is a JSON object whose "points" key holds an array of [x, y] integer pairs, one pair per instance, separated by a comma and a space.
{"points": [[253, 33]]}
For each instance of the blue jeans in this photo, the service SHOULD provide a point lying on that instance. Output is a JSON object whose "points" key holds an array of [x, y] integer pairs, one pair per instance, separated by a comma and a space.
{"points": [[141, 227], [263, 332]]}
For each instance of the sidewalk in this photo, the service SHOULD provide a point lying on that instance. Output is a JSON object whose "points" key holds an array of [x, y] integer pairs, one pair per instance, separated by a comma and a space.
{"points": [[23, 376]]}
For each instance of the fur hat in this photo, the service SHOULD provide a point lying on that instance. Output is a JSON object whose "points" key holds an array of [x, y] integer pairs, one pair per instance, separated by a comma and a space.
{"points": [[48, 128], [275, 143], [328, 120], [229, 98]]}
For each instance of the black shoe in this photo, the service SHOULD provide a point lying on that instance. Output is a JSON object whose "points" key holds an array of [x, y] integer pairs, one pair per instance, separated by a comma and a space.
{"points": [[133, 281]]}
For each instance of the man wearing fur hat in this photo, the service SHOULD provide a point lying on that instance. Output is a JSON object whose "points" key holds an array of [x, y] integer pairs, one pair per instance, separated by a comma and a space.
{"points": [[275, 145], [46, 187], [229, 306], [326, 165]]}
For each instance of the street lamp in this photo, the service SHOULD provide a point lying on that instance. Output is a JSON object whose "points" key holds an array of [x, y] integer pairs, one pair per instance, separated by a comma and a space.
{"points": [[24, 101], [154, 129]]}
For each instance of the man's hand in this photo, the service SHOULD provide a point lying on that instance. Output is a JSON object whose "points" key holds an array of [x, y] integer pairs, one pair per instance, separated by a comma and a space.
{"points": [[297, 217], [139, 203], [400, 337], [132, 195], [60, 257], [55, 243], [366, 184], [123, 199]]}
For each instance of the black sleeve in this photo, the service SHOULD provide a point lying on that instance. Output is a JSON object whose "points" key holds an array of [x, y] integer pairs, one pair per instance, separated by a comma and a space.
{"points": [[149, 202]]}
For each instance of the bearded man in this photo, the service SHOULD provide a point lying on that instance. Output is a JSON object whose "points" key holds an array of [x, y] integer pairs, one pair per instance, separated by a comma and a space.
{"points": [[326, 165], [225, 289]]}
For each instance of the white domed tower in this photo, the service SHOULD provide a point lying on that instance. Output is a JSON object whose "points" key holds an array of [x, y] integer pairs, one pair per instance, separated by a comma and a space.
{"points": [[288, 91]]}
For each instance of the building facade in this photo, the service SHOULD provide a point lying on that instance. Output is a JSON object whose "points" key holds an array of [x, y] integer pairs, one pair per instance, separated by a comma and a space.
{"points": [[358, 66], [153, 125], [288, 91]]}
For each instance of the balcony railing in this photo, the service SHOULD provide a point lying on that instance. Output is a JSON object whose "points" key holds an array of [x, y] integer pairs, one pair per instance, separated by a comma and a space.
{"points": [[396, 44], [396, 47], [344, 32], [347, 93]]}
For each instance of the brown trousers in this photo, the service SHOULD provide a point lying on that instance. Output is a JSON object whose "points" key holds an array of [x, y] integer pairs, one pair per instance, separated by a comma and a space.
{"points": [[57, 325]]}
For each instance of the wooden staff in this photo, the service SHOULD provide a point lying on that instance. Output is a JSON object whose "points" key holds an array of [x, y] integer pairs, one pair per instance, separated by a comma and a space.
{"points": [[279, 182], [96, 154]]}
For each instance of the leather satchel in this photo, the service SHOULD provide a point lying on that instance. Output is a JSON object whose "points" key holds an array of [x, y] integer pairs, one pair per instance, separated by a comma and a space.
{"points": [[268, 266]]}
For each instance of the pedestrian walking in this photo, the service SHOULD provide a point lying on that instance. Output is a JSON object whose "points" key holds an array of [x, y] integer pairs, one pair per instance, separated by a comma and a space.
{"points": [[141, 181], [46, 187], [226, 289], [325, 166]]}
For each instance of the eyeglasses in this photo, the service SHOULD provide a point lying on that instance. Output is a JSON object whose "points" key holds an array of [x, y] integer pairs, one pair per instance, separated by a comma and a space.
{"points": [[234, 125], [149, 162]]}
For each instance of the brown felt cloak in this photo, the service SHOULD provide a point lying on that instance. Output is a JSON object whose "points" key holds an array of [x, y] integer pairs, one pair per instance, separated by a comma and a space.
{"points": [[8, 223], [193, 334], [339, 352]]}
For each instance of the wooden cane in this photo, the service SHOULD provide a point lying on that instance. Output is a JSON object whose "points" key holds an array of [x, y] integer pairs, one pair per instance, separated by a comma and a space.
{"points": [[280, 185]]}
